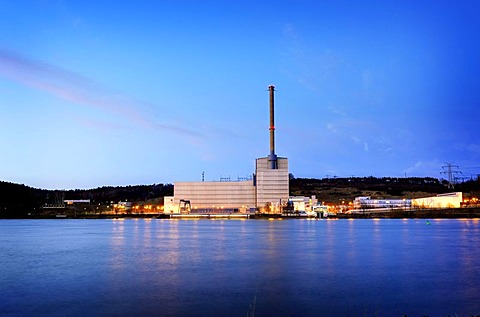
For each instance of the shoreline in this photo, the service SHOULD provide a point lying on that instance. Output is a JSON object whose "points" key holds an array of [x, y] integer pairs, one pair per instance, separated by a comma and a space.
{"points": [[457, 213]]}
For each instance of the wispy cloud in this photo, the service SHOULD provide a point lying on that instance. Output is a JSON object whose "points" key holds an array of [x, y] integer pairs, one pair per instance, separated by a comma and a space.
{"points": [[332, 127], [472, 148], [360, 142], [424, 167], [73, 87], [337, 110]]}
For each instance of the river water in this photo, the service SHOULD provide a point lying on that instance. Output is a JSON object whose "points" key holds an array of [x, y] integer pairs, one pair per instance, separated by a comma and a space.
{"points": [[153, 267]]}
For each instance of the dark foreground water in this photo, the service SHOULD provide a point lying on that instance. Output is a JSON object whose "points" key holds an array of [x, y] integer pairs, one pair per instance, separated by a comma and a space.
{"points": [[231, 267]]}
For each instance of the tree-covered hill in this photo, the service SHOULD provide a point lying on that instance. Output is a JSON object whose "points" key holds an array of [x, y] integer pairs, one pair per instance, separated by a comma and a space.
{"points": [[19, 200], [16, 199], [333, 190], [121, 193]]}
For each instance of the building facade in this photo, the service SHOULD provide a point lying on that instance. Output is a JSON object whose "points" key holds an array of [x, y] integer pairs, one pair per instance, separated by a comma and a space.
{"points": [[215, 196], [367, 203], [271, 185], [268, 190], [448, 200]]}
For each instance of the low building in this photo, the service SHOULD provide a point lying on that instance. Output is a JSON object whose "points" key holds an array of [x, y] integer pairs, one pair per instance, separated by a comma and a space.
{"points": [[169, 205], [366, 202], [302, 203], [76, 201], [448, 200], [122, 206]]}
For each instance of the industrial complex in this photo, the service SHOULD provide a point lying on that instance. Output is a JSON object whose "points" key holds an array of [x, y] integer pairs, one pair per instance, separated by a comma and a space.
{"points": [[265, 194], [267, 190]]}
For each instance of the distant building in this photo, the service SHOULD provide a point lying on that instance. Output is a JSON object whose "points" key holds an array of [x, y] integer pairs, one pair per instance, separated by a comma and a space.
{"points": [[122, 206], [302, 203], [449, 200], [367, 203], [76, 201], [169, 205]]}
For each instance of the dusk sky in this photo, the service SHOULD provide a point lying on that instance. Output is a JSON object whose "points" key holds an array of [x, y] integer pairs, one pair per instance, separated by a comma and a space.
{"points": [[96, 93]]}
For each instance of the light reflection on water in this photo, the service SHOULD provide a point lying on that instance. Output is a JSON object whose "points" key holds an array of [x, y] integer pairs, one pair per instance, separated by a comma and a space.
{"points": [[204, 268]]}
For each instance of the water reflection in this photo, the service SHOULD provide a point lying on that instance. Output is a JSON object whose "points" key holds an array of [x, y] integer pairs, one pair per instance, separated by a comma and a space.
{"points": [[202, 267], [117, 242]]}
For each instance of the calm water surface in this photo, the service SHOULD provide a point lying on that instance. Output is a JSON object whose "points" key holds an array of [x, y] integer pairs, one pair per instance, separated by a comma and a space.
{"points": [[230, 267]]}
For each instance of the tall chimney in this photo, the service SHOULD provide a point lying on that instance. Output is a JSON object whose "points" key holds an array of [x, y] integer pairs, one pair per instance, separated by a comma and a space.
{"points": [[272, 158]]}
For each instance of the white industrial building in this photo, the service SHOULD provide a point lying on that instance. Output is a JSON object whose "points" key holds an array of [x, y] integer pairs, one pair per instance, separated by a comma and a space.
{"points": [[366, 202], [449, 200], [267, 191], [302, 203]]}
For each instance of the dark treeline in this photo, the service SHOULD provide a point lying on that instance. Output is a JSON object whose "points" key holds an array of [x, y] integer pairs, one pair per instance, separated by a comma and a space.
{"points": [[390, 185], [19, 200], [121, 193], [335, 189]]}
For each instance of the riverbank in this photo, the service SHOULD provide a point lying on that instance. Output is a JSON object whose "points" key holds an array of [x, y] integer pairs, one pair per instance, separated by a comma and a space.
{"points": [[451, 213]]}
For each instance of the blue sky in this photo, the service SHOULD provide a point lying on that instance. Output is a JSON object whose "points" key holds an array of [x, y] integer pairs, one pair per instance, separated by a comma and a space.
{"points": [[96, 93]]}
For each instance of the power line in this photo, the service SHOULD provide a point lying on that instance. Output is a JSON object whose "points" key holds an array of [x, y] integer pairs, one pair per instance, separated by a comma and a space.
{"points": [[451, 170]]}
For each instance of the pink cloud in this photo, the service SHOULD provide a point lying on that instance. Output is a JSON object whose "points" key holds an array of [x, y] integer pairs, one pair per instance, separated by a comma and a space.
{"points": [[78, 89]]}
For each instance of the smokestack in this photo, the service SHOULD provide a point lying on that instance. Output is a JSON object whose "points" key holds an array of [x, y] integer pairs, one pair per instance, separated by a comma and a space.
{"points": [[272, 158]]}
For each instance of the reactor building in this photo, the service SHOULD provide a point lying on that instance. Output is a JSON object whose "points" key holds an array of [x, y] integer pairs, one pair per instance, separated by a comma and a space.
{"points": [[266, 191]]}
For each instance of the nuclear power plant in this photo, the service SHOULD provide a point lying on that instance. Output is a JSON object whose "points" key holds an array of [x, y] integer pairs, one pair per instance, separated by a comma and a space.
{"points": [[267, 190]]}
